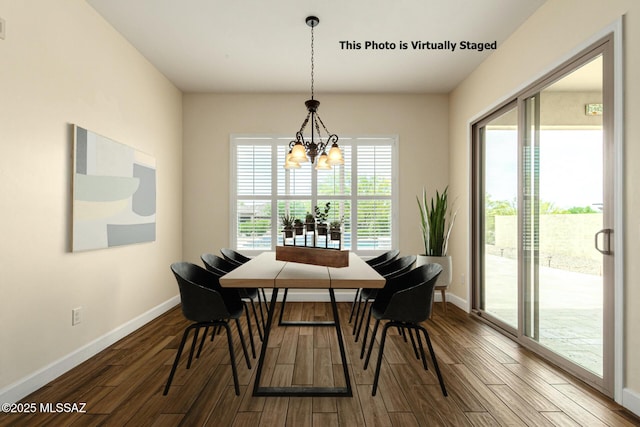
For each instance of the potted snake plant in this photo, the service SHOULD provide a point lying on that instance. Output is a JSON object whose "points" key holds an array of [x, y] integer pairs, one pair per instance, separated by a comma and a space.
{"points": [[436, 221]]}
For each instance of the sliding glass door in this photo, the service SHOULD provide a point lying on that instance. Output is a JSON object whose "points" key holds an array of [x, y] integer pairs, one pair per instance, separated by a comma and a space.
{"points": [[498, 188], [566, 240], [543, 218]]}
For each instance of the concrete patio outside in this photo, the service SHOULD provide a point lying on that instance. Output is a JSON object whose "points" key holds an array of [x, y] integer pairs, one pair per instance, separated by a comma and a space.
{"points": [[570, 310]]}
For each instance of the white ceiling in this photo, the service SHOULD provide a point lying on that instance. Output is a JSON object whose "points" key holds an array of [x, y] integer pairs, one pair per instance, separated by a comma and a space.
{"points": [[264, 46]]}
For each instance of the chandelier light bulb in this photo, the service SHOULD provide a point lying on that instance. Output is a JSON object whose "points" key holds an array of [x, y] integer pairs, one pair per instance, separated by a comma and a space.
{"points": [[299, 153], [322, 163], [289, 163], [335, 156]]}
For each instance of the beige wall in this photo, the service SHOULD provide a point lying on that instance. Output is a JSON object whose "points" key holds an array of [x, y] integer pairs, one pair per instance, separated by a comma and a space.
{"points": [[420, 121], [61, 63], [552, 33]]}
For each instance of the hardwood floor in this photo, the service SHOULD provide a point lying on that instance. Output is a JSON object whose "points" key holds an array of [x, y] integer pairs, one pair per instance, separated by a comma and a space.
{"points": [[490, 380]]}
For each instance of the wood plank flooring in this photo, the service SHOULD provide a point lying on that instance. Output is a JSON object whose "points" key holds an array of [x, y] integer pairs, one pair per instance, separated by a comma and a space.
{"points": [[491, 381]]}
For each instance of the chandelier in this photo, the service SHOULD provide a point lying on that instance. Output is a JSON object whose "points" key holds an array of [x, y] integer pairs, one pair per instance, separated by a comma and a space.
{"points": [[302, 150]]}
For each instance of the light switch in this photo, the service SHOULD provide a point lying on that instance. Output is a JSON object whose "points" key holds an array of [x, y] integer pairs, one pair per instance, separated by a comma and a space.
{"points": [[3, 25]]}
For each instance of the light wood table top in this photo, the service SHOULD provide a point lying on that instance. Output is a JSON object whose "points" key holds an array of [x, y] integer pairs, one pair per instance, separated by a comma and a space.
{"points": [[264, 271]]}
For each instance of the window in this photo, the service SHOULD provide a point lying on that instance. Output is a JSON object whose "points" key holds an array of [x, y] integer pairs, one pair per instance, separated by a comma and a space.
{"points": [[362, 192]]}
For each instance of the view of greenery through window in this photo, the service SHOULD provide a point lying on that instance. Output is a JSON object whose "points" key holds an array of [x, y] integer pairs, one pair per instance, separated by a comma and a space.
{"points": [[560, 255], [495, 208]]}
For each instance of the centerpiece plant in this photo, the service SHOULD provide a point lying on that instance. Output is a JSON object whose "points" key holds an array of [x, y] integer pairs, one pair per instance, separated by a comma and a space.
{"points": [[310, 222], [287, 225], [335, 228], [321, 218]]}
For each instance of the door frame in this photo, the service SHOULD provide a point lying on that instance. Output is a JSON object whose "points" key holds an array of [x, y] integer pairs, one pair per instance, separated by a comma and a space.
{"points": [[613, 33]]}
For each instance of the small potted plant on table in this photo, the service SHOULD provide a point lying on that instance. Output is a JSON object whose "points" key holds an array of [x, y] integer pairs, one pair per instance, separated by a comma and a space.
{"points": [[287, 225], [335, 228], [309, 222], [321, 218]]}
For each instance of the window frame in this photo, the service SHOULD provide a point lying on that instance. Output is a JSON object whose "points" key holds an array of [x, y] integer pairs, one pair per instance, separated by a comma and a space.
{"points": [[273, 140]]}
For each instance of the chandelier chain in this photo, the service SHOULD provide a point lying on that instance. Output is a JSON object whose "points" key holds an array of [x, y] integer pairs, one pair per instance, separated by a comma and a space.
{"points": [[312, 61]]}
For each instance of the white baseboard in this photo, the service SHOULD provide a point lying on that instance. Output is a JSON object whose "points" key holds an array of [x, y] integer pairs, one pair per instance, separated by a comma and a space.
{"points": [[631, 400], [455, 300], [27, 385]]}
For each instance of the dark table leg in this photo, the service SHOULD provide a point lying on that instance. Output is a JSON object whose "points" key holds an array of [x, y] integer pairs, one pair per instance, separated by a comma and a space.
{"points": [[298, 391]]}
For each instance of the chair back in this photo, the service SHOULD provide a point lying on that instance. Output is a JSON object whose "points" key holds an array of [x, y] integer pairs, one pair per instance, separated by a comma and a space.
{"points": [[409, 296], [383, 258], [396, 267], [201, 301], [233, 256], [217, 265]]}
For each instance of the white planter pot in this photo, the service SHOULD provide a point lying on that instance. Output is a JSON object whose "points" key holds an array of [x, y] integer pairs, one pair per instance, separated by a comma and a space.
{"points": [[444, 279]]}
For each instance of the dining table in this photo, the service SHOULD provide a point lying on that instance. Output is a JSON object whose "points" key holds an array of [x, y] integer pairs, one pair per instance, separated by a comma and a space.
{"points": [[265, 271]]}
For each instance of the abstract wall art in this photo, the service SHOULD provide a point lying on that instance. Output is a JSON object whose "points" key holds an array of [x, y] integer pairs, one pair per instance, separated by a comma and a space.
{"points": [[114, 193]]}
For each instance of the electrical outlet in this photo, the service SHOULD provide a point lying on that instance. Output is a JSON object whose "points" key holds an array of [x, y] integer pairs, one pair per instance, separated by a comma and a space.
{"points": [[3, 31], [76, 316]]}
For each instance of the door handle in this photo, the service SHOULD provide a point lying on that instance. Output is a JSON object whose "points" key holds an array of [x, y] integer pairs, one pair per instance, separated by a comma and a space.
{"points": [[607, 233]]}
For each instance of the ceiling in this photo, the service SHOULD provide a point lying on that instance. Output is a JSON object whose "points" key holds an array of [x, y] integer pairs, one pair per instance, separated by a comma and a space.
{"points": [[265, 46], [587, 78]]}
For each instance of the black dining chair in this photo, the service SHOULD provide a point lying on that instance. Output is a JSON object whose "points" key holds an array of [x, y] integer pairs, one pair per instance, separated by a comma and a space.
{"points": [[387, 267], [220, 267], [237, 258], [406, 301], [383, 258], [234, 257], [388, 271], [206, 303]]}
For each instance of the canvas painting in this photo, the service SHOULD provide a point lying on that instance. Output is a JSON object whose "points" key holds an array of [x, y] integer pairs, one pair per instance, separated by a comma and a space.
{"points": [[114, 193]]}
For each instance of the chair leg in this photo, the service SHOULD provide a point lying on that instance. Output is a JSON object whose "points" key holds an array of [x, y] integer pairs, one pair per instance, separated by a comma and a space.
{"points": [[244, 346], [402, 332], [204, 336], [379, 364], [232, 356], [177, 359], [366, 332], [355, 322], [216, 331], [443, 293], [373, 339], [413, 343], [255, 316], [246, 312], [353, 304], [193, 346], [364, 309], [433, 359], [424, 359]]}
